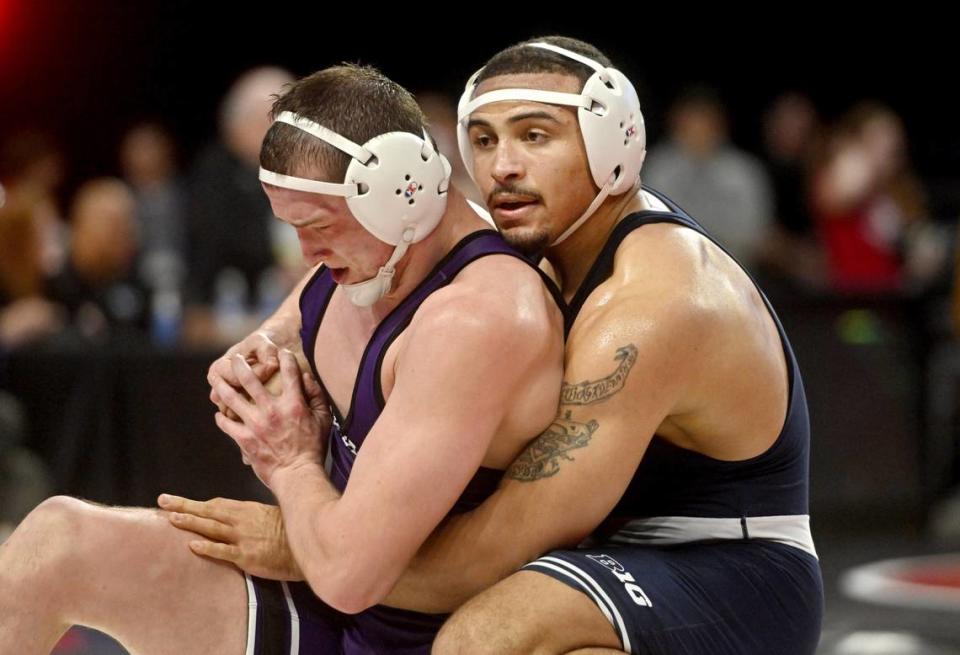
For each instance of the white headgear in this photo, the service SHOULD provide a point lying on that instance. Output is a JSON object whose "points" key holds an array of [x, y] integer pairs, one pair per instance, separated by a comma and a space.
{"points": [[395, 186], [610, 121]]}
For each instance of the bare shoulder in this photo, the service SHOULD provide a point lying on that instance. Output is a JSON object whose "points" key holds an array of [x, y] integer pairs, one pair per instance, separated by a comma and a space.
{"points": [[675, 254], [662, 283], [665, 254], [496, 297], [501, 274]]}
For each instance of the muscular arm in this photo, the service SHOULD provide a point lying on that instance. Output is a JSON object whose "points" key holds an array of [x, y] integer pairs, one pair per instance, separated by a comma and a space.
{"points": [[624, 367], [463, 358]]}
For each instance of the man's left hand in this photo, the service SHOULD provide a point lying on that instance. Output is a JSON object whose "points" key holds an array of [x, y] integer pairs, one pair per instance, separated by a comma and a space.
{"points": [[275, 432]]}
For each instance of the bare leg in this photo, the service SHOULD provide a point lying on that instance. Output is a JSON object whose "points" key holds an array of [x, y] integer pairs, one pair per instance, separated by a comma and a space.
{"points": [[124, 571], [527, 613]]}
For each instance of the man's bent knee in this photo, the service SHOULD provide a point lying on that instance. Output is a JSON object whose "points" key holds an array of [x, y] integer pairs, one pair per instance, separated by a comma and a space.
{"points": [[484, 626], [46, 535], [118, 569], [527, 613], [470, 631]]}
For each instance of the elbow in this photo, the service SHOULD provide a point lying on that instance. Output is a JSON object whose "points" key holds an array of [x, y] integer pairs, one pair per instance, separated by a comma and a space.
{"points": [[348, 601], [348, 585]]}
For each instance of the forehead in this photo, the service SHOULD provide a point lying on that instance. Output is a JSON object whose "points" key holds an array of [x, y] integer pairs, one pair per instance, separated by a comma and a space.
{"points": [[301, 208], [506, 109]]}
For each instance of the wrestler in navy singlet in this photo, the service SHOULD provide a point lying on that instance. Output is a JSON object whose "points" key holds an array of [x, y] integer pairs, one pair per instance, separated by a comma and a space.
{"points": [[287, 617], [701, 555]]}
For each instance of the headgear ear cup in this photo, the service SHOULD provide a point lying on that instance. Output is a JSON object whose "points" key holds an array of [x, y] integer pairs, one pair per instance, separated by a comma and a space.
{"points": [[613, 131], [400, 188]]}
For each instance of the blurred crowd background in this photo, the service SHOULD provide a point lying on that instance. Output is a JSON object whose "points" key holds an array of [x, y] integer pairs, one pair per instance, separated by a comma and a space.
{"points": [[136, 244]]}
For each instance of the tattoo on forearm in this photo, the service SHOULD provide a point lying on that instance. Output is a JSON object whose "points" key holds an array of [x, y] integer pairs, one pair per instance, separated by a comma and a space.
{"points": [[541, 459], [593, 391]]}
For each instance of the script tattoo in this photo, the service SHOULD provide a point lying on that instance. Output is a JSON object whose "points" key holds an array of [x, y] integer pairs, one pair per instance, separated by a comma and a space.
{"points": [[541, 459], [593, 391]]}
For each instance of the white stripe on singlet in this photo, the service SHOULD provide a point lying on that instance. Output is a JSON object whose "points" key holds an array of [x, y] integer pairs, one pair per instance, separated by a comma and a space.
{"points": [[251, 616], [792, 530], [583, 579], [294, 621]]}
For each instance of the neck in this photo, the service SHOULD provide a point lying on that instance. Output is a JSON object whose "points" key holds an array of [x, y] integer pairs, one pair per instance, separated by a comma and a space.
{"points": [[573, 258], [458, 221]]}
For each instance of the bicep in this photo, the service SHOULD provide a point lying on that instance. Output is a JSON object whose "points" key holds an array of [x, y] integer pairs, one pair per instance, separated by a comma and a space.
{"points": [[620, 384]]}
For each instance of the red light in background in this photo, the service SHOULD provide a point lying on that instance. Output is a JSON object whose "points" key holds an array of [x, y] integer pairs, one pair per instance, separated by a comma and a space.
{"points": [[14, 44], [7, 16], [6, 12]]}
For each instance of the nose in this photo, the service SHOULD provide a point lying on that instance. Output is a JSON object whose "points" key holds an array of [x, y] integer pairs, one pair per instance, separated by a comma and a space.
{"points": [[507, 165]]}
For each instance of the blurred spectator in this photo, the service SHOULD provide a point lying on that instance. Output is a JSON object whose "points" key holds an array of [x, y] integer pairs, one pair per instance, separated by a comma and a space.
{"points": [[148, 162], [726, 188], [232, 237], [870, 208], [25, 315], [790, 133], [31, 171], [98, 285]]}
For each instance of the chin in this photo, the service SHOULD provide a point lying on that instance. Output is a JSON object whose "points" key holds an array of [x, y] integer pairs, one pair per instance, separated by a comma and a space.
{"points": [[530, 243]]}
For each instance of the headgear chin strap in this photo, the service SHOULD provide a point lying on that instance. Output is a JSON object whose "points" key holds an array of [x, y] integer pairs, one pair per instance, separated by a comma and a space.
{"points": [[611, 122], [395, 186], [366, 293]]}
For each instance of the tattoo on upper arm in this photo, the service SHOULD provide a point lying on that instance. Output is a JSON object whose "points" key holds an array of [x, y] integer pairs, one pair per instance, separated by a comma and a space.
{"points": [[541, 458], [593, 391]]}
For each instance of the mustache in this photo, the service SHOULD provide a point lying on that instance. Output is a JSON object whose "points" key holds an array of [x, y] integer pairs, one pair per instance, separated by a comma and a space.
{"points": [[511, 189]]}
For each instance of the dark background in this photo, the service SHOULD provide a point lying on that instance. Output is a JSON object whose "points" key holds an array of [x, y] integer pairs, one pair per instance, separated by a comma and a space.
{"points": [[87, 70]]}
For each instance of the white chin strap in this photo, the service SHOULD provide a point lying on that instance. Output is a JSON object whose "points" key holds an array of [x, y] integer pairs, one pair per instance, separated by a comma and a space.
{"points": [[366, 293], [604, 192]]}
